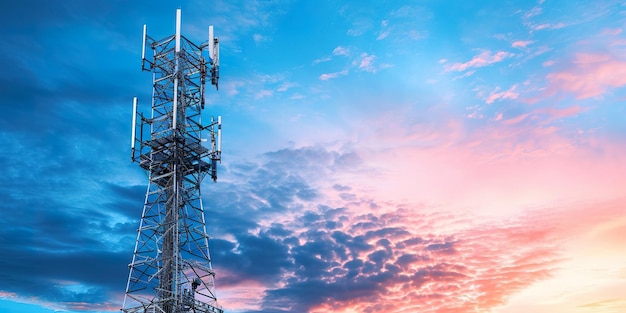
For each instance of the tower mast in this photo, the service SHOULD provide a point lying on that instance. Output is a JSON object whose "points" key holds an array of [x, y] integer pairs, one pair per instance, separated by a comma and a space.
{"points": [[171, 267]]}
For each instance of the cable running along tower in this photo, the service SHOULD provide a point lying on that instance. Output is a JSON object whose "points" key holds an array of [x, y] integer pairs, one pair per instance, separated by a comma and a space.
{"points": [[171, 267]]}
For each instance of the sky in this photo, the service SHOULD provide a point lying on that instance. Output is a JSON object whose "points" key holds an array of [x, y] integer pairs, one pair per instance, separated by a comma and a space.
{"points": [[378, 156]]}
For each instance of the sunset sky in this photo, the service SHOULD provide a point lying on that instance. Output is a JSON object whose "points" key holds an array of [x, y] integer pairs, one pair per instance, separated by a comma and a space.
{"points": [[378, 156]]}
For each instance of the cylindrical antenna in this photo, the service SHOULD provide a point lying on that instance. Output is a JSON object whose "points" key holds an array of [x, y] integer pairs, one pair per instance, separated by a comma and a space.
{"points": [[175, 101], [143, 46], [178, 13], [219, 134], [134, 126]]}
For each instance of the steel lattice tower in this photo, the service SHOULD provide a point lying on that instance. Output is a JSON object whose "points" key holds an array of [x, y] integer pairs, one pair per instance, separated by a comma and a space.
{"points": [[171, 267]]}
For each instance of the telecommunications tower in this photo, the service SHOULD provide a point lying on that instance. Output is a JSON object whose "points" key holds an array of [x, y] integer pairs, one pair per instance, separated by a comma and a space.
{"points": [[171, 267]]}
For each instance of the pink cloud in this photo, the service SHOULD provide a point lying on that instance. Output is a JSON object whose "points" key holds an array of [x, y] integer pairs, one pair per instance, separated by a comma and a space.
{"points": [[561, 113], [548, 26], [515, 120], [286, 86], [477, 268], [341, 51], [263, 93], [238, 293], [476, 168], [533, 12], [366, 62], [507, 94], [590, 75], [485, 58], [513, 167], [611, 31], [383, 35], [321, 60], [521, 43], [471, 243], [327, 76], [587, 58], [619, 42]]}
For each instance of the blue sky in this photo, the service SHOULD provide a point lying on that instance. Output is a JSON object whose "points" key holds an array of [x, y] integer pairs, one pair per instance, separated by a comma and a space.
{"points": [[432, 156]]}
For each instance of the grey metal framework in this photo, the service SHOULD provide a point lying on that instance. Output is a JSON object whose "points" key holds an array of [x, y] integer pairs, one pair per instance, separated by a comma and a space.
{"points": [[171, 267]]}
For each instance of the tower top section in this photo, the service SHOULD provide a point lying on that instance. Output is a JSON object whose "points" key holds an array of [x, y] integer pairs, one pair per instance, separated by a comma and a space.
{"points": [[180, 43], [180, 69]]}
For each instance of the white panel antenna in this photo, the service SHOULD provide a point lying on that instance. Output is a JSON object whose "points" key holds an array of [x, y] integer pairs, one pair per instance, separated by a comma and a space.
{"points": [[177, 50], [219, 134], [134, 126], [178, 14], [143, 46], [211, 42]]}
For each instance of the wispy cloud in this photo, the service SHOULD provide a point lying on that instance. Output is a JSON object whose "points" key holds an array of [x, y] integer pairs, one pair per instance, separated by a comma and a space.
{"points": [[263, 93], [366, 62], [529, 20], [327, 76], [514, 120], [485, 58], [360, 26], [561, 113], [232, 87], [321, 60], [521, 43], [532, 12], [258, 38], [286, 86], [233, 19], [404, 25], [382, 35], [611, 31], [496, 94], [338, 51], [384, 30], [341, 51], [589, 75], [548, 26]]}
